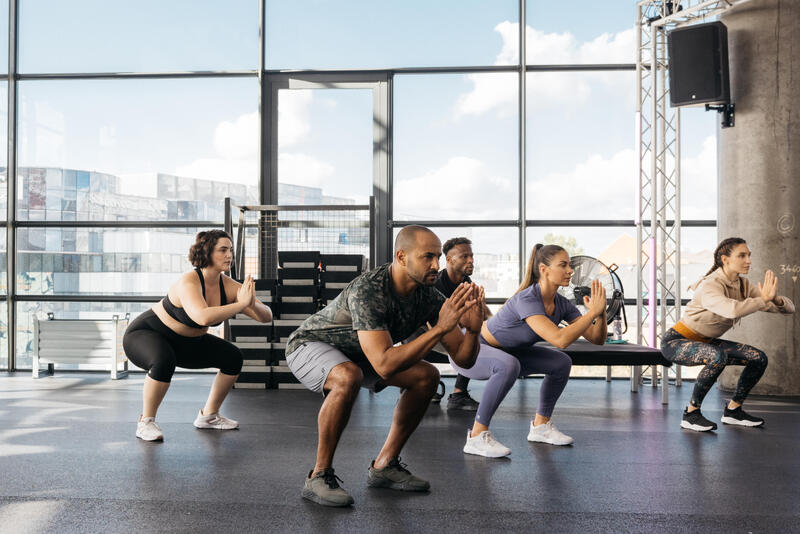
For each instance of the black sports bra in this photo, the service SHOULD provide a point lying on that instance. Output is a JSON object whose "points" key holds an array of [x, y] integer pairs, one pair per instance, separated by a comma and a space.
{"points": [[180, 315]]}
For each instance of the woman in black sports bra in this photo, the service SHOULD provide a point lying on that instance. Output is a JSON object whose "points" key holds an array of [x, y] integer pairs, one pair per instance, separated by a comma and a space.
{"points": [[174, 332]]}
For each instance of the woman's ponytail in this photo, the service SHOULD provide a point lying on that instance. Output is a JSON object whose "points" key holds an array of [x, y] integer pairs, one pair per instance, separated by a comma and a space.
{"points": [[540, 254]]}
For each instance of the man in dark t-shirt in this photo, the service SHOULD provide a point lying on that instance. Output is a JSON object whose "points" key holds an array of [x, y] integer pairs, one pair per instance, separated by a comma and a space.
{"points": [[353, 343], [460, 265]]}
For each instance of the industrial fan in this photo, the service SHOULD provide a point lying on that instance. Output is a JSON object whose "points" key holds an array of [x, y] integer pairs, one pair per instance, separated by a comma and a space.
{"points": [[587, 269]]}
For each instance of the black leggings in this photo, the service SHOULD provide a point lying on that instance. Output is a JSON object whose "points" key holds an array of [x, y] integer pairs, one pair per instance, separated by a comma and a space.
{"points": [[715, 355], [151, 345]]}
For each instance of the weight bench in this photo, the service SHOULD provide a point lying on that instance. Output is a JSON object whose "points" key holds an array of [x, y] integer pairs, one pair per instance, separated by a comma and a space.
{"points": [[584, 353]]}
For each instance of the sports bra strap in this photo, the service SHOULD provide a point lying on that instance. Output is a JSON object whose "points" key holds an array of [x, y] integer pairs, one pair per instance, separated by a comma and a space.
{"points": [[202, 281]]}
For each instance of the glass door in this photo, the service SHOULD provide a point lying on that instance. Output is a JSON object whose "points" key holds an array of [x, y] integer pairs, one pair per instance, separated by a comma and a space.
{"points": [[326, 140]]}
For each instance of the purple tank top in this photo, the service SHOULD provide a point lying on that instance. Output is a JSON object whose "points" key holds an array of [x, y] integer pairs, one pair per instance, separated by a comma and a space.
{"points": [[508, 326]]}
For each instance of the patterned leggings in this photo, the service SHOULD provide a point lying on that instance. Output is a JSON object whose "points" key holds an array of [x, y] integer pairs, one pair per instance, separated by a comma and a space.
{"points": [[715, 355]]}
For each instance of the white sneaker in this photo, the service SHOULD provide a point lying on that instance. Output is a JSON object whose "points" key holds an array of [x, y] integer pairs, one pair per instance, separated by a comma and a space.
{"points": [[215, 420], [484, 444], [548, 433], [148, 430]]}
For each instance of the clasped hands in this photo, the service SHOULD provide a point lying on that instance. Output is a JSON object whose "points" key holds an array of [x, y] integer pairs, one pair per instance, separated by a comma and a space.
{"points": [[464, 308], [769, 289]]}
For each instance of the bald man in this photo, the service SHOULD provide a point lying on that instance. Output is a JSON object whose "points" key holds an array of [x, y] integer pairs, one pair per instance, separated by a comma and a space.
{"points": [[350, 344]]}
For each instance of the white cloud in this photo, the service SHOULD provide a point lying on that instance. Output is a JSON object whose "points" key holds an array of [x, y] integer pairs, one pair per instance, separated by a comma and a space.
{"points": [[489, 92], [610, 48], [236, 145], [463, 188], [498, 92], [302, 169], [236, 153], [597, 188], [294, 116], [237, 139]]}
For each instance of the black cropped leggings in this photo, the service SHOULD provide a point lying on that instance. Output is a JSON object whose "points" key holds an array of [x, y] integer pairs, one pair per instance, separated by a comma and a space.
{"points": [[151, 345], [715, 355]]}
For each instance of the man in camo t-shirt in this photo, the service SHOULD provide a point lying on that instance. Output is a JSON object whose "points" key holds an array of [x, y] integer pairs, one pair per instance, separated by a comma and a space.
{"points": [[351, 344]]}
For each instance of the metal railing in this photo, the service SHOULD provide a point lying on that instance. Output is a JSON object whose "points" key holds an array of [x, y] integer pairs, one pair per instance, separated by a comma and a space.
{"points": [[328, 228]]}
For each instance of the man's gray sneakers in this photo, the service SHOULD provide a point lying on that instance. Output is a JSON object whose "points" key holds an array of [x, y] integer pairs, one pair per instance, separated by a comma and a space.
{"points": [[323, 488], [395, 476]]}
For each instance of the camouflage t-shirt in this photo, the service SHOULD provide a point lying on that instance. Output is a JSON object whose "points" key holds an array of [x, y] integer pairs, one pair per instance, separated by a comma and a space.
{"points": [[368, 303]]}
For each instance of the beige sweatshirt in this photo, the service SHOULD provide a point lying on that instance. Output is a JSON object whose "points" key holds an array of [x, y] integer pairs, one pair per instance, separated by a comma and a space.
{"points": [[718, 303]]}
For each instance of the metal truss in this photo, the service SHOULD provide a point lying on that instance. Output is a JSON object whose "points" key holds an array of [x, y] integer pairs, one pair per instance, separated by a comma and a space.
{"points": [[658, 218]]}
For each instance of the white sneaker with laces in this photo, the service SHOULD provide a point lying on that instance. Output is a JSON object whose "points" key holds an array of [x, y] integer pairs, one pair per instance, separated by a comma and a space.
{"points": [[148, 430], [484, 444], [215, 420], [548, 433]]}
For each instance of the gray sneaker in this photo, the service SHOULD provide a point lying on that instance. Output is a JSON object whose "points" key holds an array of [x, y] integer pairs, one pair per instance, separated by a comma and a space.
{"points": [[323, 488], [395, 476]]}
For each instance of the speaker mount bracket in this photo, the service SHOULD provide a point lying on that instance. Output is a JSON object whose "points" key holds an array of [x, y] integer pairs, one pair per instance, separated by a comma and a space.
{"points": [[727, 111]]}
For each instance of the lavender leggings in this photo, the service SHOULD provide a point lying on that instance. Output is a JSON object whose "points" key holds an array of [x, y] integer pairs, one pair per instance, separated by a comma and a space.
{"points": [[502, 368]]}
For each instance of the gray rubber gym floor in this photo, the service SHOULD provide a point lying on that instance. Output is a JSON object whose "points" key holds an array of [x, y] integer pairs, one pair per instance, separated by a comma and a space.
{"points": [[69, 462]]}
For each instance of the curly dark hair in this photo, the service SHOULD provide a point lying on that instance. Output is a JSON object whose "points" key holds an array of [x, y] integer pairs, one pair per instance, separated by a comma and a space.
{"points": [[452, 242], [200, 252]]}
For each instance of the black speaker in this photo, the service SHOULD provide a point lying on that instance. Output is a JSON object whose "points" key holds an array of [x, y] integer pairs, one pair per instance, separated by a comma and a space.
{"points": [[698, 64]]}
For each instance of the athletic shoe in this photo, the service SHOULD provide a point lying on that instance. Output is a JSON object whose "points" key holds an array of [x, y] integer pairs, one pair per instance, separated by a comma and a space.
{"points": [[216, 421], [548, 433], [462, 401], [395, 476], [148, 430], [437, 397], [323, 488], [484, 444], [740, 417], [695, 421]]}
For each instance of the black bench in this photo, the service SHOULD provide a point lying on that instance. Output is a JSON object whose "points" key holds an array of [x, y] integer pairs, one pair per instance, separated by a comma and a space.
{"points": [[584, 353]]}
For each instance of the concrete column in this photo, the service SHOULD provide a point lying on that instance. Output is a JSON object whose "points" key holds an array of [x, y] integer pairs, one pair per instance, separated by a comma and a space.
{"points": [[759, 176]]}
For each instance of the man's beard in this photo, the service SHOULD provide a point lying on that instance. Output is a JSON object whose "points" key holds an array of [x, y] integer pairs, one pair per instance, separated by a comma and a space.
{"points": [[423, 281]]}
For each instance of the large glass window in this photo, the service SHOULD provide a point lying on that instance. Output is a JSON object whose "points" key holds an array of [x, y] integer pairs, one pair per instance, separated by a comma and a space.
{"points": [[579, 32], [325, 146], [136, 149], [610, 245], [101, 261], [152, 149], [141, 36], [581, 159], [698, 164], [3, 36], [329, 34], [697, 255], [496, 257], [3, 147], [455, 147]]}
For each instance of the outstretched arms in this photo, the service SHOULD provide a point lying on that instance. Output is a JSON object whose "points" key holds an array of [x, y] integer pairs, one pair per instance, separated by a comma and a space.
{"points": [[581, 326]]}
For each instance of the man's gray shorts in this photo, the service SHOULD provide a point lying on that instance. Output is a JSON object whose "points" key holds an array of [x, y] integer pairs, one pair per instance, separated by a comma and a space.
{"points": [[312, 362]]}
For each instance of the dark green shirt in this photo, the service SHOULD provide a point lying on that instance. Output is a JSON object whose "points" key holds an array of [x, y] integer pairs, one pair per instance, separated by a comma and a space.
{"points": [[368, 303]]}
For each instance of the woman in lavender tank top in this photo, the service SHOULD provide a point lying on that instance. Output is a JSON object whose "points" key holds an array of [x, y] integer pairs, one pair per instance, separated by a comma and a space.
{"points": [[508, 346]]}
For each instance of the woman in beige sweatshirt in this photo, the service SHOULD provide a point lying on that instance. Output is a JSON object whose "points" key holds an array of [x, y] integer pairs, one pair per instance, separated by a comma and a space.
{"points": [[720, 300]]}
